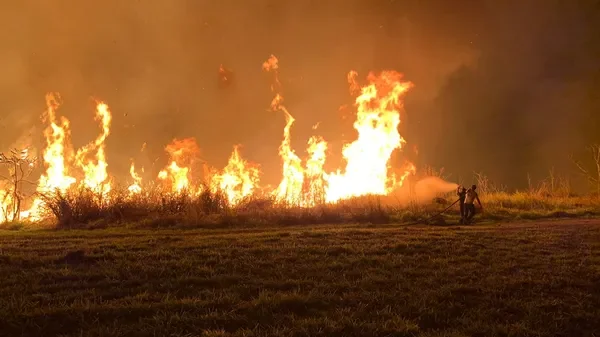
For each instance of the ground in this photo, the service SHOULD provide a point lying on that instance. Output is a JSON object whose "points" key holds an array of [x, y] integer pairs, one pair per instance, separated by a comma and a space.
{"points": [[521, 279]]}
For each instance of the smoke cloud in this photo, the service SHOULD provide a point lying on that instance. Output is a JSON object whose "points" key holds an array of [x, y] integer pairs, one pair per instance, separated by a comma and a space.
{"points": [[526, 104], [500, 87]]}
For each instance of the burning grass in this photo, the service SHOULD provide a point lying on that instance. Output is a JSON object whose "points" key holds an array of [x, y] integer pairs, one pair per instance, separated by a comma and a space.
{"points": [[85, 209], [155, 208], [304, 182], [342, 280], [76, 189]]}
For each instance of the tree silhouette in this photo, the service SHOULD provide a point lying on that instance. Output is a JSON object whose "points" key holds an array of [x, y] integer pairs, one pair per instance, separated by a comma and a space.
{"points": [[20, 166]]}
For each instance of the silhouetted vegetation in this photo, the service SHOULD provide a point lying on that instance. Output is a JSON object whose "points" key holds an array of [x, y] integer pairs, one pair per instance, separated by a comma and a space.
{"points": [[155, 209]]}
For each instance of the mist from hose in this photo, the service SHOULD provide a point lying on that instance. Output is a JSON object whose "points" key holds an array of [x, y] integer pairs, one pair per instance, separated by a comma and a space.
{"points": [[430, 187]]}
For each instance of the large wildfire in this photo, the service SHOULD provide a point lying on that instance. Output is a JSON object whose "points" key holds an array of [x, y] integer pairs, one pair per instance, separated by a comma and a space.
{"points": [[304, 182]]}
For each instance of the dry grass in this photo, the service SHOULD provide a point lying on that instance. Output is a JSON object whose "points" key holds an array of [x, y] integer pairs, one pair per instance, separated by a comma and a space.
{"points": [[208, 210], [155, 208], [211, 210], [342, 280]]}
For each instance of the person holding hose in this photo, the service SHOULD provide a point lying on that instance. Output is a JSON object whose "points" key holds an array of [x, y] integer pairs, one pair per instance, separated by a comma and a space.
{"points": [[470, 204], [462, 194]]}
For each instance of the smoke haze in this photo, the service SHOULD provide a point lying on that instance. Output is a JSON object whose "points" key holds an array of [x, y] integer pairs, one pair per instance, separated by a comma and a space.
{"points": [[503, 87]]}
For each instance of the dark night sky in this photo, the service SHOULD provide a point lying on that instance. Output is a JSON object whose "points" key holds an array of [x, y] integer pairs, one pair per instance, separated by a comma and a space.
{"points": [[505, 87]]}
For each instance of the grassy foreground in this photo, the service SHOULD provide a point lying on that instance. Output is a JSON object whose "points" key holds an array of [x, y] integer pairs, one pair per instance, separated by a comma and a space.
{"points": [[529, 279]]}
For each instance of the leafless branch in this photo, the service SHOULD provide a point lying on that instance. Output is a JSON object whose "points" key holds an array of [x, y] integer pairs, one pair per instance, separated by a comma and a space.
{"points": [[583, 170], [593, 178]]}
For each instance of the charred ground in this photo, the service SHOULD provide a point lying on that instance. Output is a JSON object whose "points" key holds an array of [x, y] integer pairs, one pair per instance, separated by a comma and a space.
{"points": [[525, 279]]}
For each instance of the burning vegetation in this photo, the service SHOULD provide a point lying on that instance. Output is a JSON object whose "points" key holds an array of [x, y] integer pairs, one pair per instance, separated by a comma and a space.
{"points": [[75, 186], [304, 182]]}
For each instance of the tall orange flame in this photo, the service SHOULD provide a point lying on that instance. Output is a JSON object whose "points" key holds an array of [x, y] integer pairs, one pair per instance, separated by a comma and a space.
{"points": [[57, 147], [183, 153], [95, 173], [314, 183], [56, 153], [290, 188], [238, 179], [377, 119], [136, 186]]}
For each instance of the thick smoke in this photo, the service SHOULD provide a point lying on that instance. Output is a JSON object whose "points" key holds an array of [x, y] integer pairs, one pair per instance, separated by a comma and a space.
{"points": [[528, 101], [500, 87]]}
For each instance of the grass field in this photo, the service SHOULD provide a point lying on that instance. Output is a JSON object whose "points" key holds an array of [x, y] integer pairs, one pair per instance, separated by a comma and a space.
{"points": [[519, 279]]}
